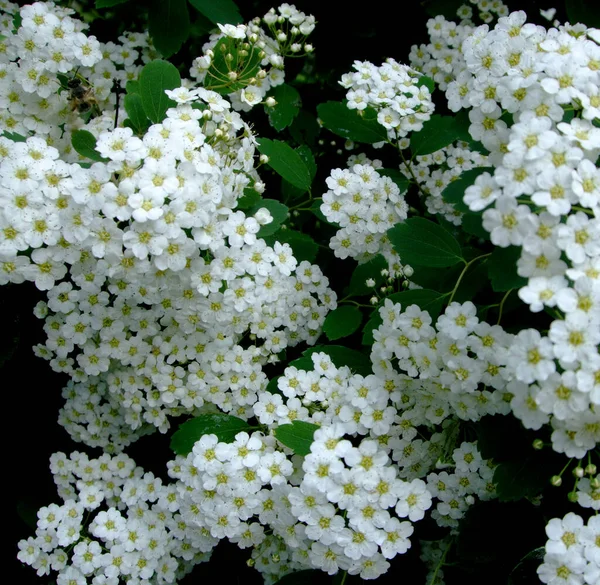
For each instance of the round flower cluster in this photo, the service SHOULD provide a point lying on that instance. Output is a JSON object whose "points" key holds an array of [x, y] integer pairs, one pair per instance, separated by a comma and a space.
{"points": [[572, 551], [116, 523], [393, 90], [37, 61], [247, 60], [365, 204]]}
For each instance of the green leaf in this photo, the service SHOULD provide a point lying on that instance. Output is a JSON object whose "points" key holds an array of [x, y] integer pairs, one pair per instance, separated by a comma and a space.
{"points": [[287, 107], [401, 181], [135, 110], [315, 208], [133, 86], [272, 386], [168, 25], [341, 322], [84, 143], [371, 269], [278, 210], [250, 199], [303, 245], [421, 242], [502, 269], [306, 154], [305, 129], [437, 132], [348, 124], [431, 301], [298, 436], [455, 191], [109, 3], [286, 162], [341, 356], [225, 426], [427, 81], [525, 477], [219, 11], [584, 12], [14, 136], [155, 78], [373, 323], [472, 224]]}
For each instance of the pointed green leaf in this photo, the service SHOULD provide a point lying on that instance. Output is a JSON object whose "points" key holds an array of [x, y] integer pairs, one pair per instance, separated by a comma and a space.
{"points": [[455, 191], [155, 78], [304, 128], [168, 25], [421, 242], [278, 210], [133, 86], [502, 269], [472, 224], [225, 426], [298, 436], [341, 322], [349, 124], [306, 154], [219, 11], [250, 199], [14, 136], [135, 111], [286, 162], [427, 81], [84, 143], [288, 105], [437, 132]]}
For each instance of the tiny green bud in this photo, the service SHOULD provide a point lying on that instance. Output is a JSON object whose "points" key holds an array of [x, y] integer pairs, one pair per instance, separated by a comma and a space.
{"points": [[591, 469], [573, 497], [538, 444], [556, 480], [578, 471]]}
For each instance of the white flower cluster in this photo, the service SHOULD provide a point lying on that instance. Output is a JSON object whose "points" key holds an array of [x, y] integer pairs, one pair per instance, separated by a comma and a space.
{"points": [[116, 523], [256, 60], [37, 60], [572, 551], [365, 205], [393, 90]]}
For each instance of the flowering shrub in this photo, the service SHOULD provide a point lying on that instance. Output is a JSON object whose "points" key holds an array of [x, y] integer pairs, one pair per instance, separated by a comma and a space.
{"points": [[353, 364]]}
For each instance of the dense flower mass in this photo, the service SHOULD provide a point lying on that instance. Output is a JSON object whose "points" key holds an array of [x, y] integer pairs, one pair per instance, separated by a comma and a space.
{"points": [[174, 288]]}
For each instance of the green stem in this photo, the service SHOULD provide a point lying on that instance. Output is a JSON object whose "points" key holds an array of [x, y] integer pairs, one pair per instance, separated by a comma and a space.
{"points": [[464, 271], [501, 306], [440, 564]]}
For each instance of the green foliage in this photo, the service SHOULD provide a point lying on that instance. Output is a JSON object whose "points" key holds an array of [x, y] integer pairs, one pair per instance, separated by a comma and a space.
{"points": [[155, 78], [134, 107], [421, 242], [14, 136], [341, 322], [431, 301], [371, 269], [84, 143], [286, 162], [502, 269], [278, 210], [520, 478], [427, 81], [437, 132], [341, 356], [298, 436], [168, 25], [250, 199], [455, 191], [349, 124], [220, 11], [303, 245], [225, 426], [287, 108]]}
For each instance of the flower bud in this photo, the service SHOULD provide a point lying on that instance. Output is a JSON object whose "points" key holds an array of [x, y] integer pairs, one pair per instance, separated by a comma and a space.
{"points": [[264, 159], [556, 480], [538, 444], [578, 472], [270, 102], [591, 469]]}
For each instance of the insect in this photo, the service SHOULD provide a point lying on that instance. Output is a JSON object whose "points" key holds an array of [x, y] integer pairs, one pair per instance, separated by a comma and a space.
{"points": [[82, 98]]}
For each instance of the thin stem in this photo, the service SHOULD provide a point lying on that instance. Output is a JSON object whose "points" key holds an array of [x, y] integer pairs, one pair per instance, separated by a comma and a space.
{"points": [[501, 306], [440, 564], [464, 271]]}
